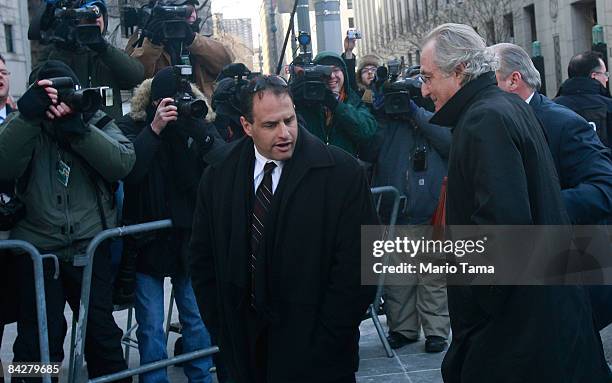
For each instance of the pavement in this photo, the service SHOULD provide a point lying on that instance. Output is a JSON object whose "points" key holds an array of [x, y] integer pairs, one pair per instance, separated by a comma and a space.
{"points": [[410, 364]]}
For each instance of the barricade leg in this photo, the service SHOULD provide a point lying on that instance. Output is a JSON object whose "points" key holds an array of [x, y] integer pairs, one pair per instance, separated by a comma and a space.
{"points": [[87, 263], [389, 233], [41, 308]]}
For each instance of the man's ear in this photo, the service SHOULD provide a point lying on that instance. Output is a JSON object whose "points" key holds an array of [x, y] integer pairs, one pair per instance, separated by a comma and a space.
{"points": [[246, 126], [515, 79], [459, 70]]}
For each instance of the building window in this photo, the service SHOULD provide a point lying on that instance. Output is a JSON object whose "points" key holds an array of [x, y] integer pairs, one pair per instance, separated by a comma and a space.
{"points": [[509, 27], [8, 38], [349, 4], [531, 22], [351, 22]]}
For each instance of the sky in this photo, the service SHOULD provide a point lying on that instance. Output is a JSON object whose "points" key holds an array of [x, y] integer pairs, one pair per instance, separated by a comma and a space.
{"points": [[238, 9]]}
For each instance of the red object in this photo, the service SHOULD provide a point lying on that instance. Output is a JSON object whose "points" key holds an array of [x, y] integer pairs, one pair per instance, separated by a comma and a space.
{"points": [[438, 220]]}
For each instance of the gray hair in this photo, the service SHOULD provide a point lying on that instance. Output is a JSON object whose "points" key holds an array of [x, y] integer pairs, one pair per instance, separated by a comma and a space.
{"points": [[514, 58], [458, 45]]}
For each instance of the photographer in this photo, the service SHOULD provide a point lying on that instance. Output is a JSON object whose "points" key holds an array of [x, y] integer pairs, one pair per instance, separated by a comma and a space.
{"points": [[156, 52], [64, 162], [341, 119], [226, 100], [8, 281], [163, 184], [96, 62], [412, 155], [366, 74]]}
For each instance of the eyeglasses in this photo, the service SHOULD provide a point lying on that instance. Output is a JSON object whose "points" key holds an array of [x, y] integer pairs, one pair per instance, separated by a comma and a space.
{"points": [[263, 82], [368, 69], [5, 73], [424, 79], [605, 74]]}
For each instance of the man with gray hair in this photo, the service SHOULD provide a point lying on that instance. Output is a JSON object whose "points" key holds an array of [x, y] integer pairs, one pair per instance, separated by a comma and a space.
{"points": [[582, 161], [502, 173]]}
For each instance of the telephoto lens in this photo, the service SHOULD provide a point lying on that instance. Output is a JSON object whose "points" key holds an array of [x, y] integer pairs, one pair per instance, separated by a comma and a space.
{"points": [[81, 101], [189, 107]]}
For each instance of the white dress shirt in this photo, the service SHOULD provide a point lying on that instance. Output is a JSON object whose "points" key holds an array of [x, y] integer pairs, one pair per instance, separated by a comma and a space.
{"points": [[528, 100], [258, 172], [3, 114]]}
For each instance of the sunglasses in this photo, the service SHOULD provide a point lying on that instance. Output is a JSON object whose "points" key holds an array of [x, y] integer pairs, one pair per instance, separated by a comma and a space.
{"points": [[263, 82]]}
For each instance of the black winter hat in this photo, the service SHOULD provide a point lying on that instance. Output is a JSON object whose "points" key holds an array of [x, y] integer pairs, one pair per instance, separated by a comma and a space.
{"points": [[164, 84], [54, 68]]}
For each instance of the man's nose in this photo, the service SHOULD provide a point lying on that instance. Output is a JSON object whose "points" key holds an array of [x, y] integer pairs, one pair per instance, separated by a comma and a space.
{"points": [[425, 90], [283, 131]]}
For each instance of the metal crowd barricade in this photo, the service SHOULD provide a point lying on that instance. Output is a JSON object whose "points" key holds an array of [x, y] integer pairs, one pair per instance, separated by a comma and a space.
{"points": [[77, 344], [39, 286], [373, 309]]}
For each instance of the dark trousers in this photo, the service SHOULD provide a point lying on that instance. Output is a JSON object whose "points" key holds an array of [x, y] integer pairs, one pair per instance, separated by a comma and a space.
{"points": [[103, 338], [601, 302], [258, 352]]}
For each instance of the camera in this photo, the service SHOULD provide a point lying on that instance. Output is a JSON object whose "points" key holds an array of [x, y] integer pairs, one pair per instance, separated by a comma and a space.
{"points": [[86, 100], [229, 84], [353, 34], [314, 77], [398, 95], [187, 105], [173, 15], [61, 21]]}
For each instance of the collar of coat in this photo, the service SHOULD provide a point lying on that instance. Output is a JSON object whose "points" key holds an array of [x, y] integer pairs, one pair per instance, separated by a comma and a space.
{"points": [[582, 85], [309, 152], [450, 113], [142, 98]]}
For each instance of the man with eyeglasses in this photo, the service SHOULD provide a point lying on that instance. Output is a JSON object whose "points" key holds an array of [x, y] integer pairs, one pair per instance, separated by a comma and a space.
{"points": [[5, 85], [8, 275], [275, 248], [586, 93], [501, 172]]}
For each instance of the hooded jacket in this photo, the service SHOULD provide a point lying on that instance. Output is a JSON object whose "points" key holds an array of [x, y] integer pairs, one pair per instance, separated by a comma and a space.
{"points": [[162, 184], [352, 123]]}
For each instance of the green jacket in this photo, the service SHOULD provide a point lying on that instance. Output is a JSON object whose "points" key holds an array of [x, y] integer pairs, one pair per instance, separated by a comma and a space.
{"points": [[113, 68], [352, 123], [61, 219]]}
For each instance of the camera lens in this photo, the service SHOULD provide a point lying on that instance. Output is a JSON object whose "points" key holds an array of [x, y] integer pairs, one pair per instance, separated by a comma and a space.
{"points": [[85, 100], [198, 109]]}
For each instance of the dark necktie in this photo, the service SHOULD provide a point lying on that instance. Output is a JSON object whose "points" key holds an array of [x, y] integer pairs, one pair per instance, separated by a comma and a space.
{"points": [[263, 201]]}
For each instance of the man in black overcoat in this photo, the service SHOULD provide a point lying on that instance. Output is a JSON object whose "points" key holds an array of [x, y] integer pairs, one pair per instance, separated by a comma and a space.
{"points": [[502, 173], [275, 248]]}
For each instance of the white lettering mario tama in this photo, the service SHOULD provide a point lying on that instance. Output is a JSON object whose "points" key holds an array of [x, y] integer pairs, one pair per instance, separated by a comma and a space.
{"points": [[431, 268]]}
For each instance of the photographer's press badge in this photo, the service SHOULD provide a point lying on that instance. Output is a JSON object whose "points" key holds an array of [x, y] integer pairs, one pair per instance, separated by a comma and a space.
{"points": [[63, 173]]}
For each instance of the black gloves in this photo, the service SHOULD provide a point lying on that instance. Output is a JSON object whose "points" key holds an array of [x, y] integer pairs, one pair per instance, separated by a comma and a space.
{"points": [[34, 103], [189, 35], [330, 100], [297, 89], [155, 31], [100, 46], [71, 126]]}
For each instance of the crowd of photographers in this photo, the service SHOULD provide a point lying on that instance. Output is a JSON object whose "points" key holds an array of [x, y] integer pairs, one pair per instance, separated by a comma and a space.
{"points": [[70, 148]]}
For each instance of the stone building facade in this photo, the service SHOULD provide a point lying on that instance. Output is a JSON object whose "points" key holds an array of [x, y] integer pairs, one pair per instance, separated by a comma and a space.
{"points": [[393, 28], [14, 44]]}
